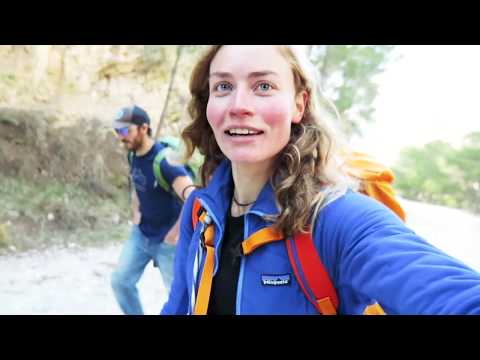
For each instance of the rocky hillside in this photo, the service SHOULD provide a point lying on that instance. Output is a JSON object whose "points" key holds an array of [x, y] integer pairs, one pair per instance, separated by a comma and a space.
{"points": [[62, 172], [92, 80], [60, 176]]}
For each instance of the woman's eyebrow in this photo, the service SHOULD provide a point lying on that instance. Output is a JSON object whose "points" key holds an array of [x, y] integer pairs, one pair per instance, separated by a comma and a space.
{"points": [[220, 74], [255, 74]]}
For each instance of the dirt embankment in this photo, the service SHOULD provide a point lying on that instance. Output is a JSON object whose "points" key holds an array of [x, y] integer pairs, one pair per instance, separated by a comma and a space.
{"points": [[59, 174], [38, 145]]}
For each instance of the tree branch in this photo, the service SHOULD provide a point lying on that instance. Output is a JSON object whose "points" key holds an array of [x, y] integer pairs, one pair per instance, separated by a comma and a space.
{"points": [[169, 91]]}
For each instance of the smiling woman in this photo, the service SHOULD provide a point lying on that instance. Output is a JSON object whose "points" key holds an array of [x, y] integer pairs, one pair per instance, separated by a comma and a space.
{"points": [[272, 107], [275, 199], [259, 104]]}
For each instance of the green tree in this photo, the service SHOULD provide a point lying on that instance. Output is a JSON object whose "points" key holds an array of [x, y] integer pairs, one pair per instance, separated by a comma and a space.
{"points": [[441, 174], [347, 78], [467, 165]]}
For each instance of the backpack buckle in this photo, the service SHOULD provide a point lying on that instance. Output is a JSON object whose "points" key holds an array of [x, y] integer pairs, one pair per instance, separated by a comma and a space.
{"points": [[207, 222], [202, 241]]}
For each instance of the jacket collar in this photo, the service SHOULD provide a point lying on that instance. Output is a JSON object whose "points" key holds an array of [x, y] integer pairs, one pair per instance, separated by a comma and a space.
{"points": [[219, 192]]}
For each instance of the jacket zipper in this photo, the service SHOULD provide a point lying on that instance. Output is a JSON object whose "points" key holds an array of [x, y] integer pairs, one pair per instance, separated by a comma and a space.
{"points": [[238, 310]]}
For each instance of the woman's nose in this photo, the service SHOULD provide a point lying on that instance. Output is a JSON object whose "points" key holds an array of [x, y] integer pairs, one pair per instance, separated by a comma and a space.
{"points": [[241, 104]]}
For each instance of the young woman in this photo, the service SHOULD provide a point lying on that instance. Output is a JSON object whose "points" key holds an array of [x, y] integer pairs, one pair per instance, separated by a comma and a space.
{"points": [[271, 172]]}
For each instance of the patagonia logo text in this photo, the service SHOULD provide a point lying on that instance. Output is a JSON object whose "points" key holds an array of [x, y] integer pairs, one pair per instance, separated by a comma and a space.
{"points": [[276, 280]]}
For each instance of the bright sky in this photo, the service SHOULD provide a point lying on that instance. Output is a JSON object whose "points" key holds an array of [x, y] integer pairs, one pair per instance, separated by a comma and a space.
{"points": [[432, 92]]}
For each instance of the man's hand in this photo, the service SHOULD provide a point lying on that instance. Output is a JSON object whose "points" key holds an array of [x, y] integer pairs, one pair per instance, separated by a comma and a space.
{"points": [[137, 216], [172, 236], [179, 185]]}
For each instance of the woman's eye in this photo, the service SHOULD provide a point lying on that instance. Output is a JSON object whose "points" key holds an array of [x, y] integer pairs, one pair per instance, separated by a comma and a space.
{"points": [[222, 87], [264, 87]]}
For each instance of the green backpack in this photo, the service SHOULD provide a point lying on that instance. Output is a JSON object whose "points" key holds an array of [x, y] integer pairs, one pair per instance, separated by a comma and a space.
{"points": [[174, 150]]}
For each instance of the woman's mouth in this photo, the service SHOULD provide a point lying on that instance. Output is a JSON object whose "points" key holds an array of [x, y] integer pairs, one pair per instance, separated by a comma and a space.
{"points": [[242, 132]]}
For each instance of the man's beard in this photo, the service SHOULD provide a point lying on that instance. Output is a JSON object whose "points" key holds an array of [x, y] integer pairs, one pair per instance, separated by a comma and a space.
{"points": [[133, 145]]}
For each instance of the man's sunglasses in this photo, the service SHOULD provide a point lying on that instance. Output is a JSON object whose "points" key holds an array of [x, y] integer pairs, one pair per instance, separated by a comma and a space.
{"points": [[122, 131]]}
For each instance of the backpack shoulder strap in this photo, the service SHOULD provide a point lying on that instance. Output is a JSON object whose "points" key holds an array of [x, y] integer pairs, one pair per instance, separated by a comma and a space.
{"points": [[157, 171], [196, 210], [173, 142], [129, 176], [130, 158], [307, 267], [314, 279], [311, 274], [308, 262]]}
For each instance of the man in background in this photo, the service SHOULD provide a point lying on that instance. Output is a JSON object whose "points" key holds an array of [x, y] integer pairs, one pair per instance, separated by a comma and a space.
{"points": [[155, 209]]}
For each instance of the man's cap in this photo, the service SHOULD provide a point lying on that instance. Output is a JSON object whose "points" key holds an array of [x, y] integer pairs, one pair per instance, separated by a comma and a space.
{"points": [[131, 115]]}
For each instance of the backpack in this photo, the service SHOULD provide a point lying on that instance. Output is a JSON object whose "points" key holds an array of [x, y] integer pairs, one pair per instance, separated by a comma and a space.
{"points": [[375, 181], [172, 150]]}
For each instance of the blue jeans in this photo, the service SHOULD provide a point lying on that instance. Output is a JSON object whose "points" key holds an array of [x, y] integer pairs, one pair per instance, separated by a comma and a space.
{"points": [[136, 254]]}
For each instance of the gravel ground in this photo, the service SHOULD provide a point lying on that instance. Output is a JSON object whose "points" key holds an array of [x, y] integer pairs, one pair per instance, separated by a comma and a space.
{"points": [[77, 280]]}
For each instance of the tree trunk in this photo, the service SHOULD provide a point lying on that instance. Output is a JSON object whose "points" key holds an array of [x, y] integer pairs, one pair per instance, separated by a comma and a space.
{"points": [[61, 76], [323, 69], [170, 87], [309, 51]]}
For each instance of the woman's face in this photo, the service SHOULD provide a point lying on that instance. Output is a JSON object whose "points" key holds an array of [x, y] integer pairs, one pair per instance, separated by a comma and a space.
{"points": [[252, 102]]}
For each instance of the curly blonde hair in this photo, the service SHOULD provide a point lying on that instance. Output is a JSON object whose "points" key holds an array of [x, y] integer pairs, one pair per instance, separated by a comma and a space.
{"points": [[304, 170]]}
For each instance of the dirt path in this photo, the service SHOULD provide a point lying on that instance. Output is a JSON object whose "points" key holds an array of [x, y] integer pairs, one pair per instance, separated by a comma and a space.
{"points": [[453, 231], [70, 281], [77, 281]]}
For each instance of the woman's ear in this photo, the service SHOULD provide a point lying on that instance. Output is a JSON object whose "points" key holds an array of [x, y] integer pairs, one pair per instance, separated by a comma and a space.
{"points": [[301, 100]]}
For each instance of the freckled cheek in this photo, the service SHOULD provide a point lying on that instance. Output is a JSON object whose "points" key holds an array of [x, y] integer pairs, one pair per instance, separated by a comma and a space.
{"points": [[215, 114], [275, 114]]}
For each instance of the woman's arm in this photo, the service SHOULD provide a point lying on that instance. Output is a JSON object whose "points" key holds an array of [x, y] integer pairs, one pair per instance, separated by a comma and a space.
{"points": [[378, 257], [177, 303]]}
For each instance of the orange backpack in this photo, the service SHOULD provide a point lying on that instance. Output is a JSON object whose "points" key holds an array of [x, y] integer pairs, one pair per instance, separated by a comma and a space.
{"points": [[375, 181]]}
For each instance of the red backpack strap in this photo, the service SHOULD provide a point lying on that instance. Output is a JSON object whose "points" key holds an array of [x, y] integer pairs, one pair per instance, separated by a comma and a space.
{"points": [[314, 273], [197, 206]]}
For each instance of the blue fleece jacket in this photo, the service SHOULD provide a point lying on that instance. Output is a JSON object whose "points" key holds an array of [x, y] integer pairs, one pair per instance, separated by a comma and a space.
{"points": [[370, 255]]}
